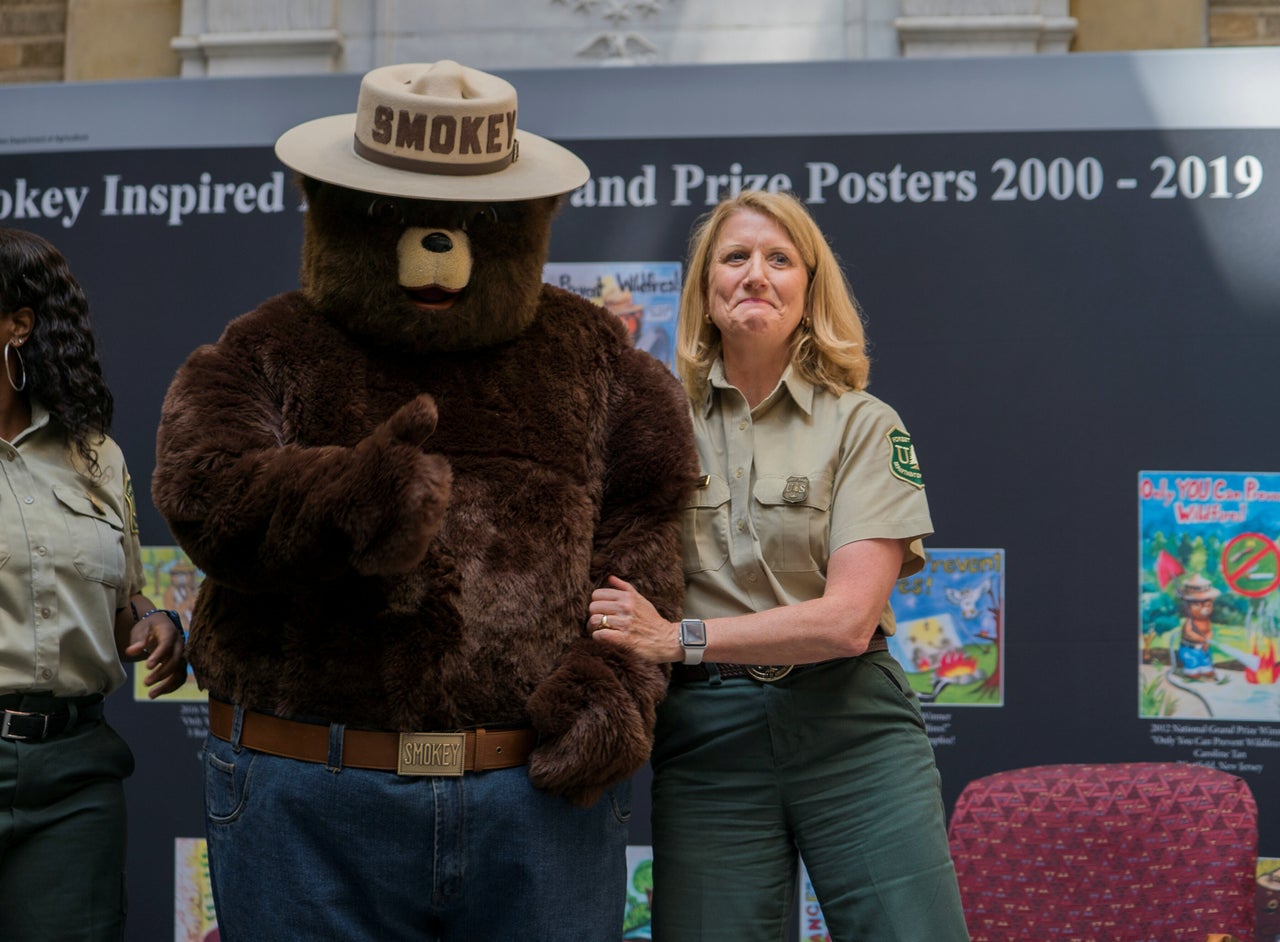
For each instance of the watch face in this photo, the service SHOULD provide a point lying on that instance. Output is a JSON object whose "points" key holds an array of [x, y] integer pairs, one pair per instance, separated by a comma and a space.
{"points": [[693, 633]]}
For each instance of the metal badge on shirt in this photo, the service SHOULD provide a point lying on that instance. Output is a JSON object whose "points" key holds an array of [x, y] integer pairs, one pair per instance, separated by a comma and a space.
{"points": [[797, 489]]}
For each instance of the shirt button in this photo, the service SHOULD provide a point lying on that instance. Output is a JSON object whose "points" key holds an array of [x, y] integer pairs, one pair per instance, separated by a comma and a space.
{"points": [[738, 473], [40, 551], [45, 612], [46, 674], [28, 499], [742, 425], [742, 526]]}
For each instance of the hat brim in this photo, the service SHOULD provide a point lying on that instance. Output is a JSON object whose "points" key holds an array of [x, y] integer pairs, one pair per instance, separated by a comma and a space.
{"points": [[324, 149]]}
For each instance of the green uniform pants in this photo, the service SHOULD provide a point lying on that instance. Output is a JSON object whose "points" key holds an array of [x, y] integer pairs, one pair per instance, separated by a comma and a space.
{"points": [[62, 837], [832, 762]]}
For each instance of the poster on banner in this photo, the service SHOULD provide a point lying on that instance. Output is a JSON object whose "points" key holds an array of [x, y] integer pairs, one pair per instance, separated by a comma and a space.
{"points": [[194, 917], [813, 925], [950, 637], [645, 295], [1268, 900], [637, 918], [172, 582], [1209, 595]]}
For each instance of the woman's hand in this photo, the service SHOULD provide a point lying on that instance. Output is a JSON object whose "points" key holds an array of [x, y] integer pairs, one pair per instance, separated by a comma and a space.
{"points": [[621, 616], [839, 623], [161, 643]]}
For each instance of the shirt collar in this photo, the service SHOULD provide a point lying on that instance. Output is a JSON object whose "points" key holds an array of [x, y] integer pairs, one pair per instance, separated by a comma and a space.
{"points": [[40, 418], [792, 383]]}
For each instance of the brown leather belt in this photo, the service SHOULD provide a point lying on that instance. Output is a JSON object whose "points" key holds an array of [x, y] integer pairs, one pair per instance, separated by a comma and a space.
{"points": [[686, 673], [443, 753]]}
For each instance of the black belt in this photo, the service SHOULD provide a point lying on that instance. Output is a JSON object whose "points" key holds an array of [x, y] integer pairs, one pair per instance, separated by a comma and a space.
{"points": [[35, 717], [686, 673]]}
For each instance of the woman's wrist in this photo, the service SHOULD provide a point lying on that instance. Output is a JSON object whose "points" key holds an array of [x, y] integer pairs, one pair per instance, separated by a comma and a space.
{"points": [[173, 617]]}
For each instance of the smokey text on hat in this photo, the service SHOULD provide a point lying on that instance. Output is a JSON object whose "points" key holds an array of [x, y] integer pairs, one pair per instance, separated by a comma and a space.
{"points": [[437, 118]]}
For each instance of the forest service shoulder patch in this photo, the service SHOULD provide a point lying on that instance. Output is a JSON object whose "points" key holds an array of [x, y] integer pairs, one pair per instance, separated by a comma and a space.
{"points": [[902, 458], [130, 503]]}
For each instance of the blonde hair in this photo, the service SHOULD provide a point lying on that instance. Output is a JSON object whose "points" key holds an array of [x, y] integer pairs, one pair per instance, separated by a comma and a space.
{"points": [[829, 348]]}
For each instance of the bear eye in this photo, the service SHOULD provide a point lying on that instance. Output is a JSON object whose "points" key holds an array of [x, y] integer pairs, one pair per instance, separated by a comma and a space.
{"points": [[480, 217], [386, 210]]}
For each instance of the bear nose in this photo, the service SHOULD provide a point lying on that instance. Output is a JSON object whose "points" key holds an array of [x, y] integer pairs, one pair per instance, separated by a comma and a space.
{"points": [[437, 242]]}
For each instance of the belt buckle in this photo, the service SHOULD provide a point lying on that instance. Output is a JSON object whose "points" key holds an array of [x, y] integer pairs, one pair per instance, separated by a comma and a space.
{"points": [[431, 754], [768, 673], [6, 726]]}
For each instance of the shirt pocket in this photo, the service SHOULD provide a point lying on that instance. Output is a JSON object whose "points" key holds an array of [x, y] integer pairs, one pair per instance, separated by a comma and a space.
{"points": [[96, 533], [793, 521], [705, 526]]}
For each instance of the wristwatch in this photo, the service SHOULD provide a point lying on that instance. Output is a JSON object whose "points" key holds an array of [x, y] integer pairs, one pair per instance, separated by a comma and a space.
{"points": [[173, 617], [693, 638]]}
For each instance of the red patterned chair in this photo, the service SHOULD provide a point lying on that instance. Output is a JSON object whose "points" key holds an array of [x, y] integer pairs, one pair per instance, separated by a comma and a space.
{"points": [[1124, 852]]}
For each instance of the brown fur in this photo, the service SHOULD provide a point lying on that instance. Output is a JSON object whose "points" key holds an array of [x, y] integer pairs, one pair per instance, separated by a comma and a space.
{"points": [[401, 516]]}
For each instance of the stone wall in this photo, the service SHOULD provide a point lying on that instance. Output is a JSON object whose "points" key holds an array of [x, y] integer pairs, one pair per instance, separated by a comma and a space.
{"points": [[1244, 23], [121, 39], [1116, 25], [33, 36], [88, 40]]}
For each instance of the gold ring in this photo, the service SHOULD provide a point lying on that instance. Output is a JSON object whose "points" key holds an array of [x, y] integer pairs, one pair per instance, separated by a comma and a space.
{"points": [[604, 621]]}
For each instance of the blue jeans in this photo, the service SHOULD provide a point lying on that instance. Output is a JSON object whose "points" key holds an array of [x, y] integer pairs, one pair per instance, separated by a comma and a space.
{"points": [[298, 852]]}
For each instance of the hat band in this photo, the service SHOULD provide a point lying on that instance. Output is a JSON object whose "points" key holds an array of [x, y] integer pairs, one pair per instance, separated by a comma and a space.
{"points": [[436, 166]]}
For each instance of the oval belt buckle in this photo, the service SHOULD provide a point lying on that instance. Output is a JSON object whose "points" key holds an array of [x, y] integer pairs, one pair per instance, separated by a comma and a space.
{"points": [[768, 673]]}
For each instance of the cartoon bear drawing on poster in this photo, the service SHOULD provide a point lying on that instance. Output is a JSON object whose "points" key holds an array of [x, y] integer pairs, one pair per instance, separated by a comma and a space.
{"points": [[402, 482]]}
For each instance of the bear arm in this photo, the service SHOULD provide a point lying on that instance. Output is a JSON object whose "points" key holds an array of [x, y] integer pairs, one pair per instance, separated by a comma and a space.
{"points": [[596, 711], [595, 715], [257, 514], [651, 469]]}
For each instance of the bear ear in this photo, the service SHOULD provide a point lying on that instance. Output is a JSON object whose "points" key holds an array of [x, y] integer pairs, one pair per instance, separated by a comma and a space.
{"points": [[338, 197], [309, 186]]}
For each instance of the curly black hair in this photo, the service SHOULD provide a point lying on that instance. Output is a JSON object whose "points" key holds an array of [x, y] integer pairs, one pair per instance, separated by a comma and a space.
{"points": [[60, 355]]}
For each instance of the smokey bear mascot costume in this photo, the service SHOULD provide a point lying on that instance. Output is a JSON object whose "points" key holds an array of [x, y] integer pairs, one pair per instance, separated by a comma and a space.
{"points": [[403, 482]]}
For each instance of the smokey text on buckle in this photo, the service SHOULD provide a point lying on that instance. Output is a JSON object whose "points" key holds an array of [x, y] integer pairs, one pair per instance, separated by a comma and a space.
{"points": [[431, 753]]}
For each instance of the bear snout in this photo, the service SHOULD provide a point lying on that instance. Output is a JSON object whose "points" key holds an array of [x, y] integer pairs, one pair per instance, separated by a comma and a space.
{"points": [[434, 265]]}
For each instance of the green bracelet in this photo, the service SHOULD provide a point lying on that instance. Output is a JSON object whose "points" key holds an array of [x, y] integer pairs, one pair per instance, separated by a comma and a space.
{"points": [[173, 617]]}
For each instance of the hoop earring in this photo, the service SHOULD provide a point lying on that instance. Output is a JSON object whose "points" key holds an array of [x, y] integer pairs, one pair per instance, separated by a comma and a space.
{"points": [[17, 387]]}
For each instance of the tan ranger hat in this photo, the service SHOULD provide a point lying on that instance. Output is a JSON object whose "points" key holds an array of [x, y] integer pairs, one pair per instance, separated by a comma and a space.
{"points": [[437, 131]]}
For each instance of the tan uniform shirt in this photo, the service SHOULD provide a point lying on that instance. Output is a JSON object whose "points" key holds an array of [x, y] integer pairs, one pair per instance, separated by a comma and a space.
{"points": [[786, 484], [69, 558]]}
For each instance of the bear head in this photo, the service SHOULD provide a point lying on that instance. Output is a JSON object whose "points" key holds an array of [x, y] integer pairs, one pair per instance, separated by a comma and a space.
{"points": [[424, 275]]}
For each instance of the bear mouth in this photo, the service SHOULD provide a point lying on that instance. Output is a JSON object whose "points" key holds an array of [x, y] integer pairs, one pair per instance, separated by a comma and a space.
{"points": [[431, 297]]}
